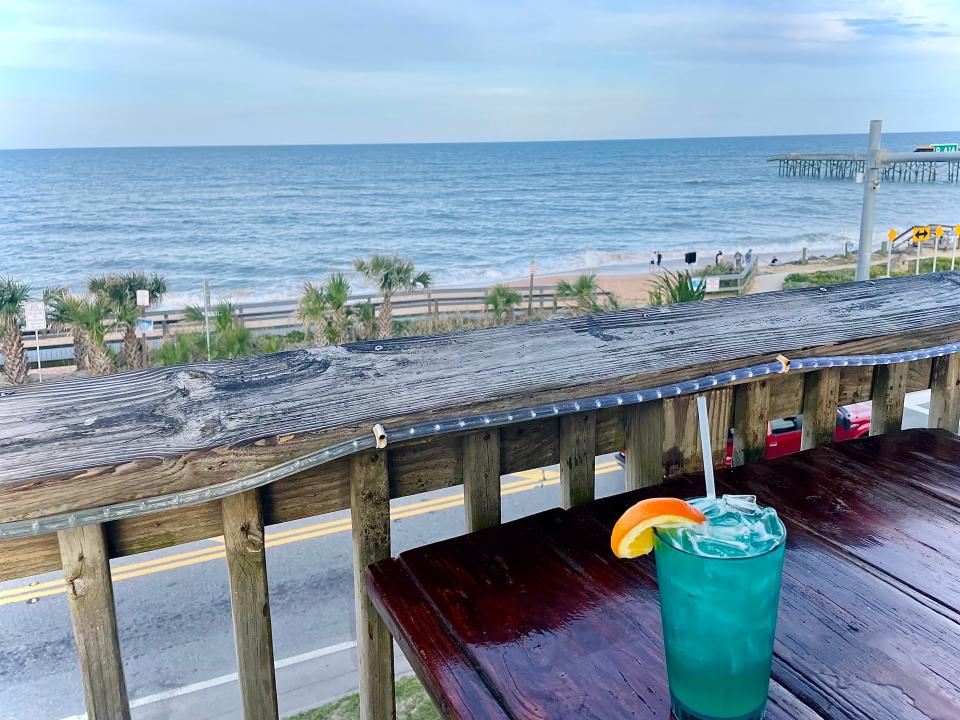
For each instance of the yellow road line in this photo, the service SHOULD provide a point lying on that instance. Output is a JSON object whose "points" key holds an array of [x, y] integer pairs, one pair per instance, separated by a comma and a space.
{"points": [[531, 480]]}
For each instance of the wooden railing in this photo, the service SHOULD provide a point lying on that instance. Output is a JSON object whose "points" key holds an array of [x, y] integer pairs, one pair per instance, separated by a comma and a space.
{"points": [[71, 447]]}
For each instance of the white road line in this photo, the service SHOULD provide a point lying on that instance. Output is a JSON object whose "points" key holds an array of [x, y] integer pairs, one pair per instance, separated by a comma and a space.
{"points": [[231, 677]]}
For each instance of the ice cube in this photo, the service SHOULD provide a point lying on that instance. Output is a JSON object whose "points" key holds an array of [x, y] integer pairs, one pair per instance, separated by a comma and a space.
{"points": [[742, 503]]}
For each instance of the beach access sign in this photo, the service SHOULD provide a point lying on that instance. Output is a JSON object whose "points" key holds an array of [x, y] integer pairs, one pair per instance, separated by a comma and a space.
{"points": [[34, 316], [144, 325], [713, 284]]}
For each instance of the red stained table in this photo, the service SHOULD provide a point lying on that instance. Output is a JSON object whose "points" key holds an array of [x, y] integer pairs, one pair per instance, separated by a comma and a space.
{"points": [[536, 619]]}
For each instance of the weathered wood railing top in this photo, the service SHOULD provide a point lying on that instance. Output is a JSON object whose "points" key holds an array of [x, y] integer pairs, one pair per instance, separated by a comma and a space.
{"points": [[87, 442]]}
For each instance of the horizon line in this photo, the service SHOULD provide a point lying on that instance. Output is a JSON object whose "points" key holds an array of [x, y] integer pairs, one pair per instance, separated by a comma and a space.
{"points": [[455, 142]]}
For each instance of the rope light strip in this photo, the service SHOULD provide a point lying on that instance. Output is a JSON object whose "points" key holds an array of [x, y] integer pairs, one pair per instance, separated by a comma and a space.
{"points": [[382, 436]]}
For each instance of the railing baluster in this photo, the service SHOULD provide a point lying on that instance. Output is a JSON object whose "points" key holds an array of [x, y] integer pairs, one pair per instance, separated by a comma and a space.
{"points": [[370, 518], [889, 388], [249, 597], [578, 442], [751, 413], [821, 396], [643, 430], [481, 479], [86, 569], [945, 393]]}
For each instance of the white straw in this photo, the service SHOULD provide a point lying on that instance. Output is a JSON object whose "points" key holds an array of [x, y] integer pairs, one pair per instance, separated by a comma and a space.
{"points": [[705, 446]]}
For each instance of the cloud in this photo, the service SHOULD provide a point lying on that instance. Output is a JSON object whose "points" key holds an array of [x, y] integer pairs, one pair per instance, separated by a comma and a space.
{"points": [[422, 69]]}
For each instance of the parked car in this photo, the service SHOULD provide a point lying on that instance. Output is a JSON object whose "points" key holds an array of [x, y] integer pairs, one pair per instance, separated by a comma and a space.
{"points": [[784, 434]]}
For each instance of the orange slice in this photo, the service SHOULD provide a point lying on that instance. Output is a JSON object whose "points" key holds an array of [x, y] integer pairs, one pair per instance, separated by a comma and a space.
{"points": [[633, 534]]}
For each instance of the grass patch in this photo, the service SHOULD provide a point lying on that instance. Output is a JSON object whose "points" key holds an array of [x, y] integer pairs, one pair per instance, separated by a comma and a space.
{"points": [[413, 703], [819, 278]]}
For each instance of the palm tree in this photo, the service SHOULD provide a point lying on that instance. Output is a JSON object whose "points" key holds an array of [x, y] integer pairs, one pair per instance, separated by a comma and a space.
{"points": [[93, 315], [64, 314], [501, 300], [120, 291], [337, 293], [13, 295], [676, 288], [584, 291], [392, 274], [312, 309]]}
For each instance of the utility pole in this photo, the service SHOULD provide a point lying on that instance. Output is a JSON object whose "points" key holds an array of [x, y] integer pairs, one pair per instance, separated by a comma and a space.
{"points": [[871, 173], [206, 314], [533, 271]]}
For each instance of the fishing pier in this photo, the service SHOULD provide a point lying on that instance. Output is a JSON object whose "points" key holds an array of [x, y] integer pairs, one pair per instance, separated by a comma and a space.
{"points": [[849, 166]]}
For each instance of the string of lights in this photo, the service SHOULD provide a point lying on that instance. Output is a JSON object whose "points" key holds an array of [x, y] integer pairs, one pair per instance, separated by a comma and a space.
{"points": [[381, 436]]}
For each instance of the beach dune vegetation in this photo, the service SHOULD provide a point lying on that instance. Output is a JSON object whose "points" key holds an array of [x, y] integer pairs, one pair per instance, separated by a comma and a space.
{"points": [[584, 292], [501, 300], [229, 337], [326, 309], [391, 274], [677, 287], [13, 295]]}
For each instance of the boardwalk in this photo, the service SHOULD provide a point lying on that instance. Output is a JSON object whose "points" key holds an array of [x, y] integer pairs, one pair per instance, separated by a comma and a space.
{"points": [[847, 166]]}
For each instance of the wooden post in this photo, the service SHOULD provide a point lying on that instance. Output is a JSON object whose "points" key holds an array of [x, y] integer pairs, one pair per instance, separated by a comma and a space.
{"points": [[578, 442], [643, 432], [945, 393], [481, 479], [370, 518], [751, 413], [247, 569], [821, 396], [889, 388], [86, 569]]}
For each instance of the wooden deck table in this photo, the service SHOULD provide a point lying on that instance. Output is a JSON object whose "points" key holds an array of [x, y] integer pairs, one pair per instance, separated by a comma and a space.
{"points": [[536, 618]]}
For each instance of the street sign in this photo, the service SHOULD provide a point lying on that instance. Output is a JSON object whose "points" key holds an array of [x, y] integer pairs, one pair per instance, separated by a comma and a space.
{"points": [[34, 316], [892, 234], [143, 298], [938, 232], [144, 325], [921, 233], [713, 284], [956, 230]]}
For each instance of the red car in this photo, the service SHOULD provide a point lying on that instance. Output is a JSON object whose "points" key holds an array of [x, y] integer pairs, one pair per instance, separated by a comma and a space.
{"points": [[783, 434]]}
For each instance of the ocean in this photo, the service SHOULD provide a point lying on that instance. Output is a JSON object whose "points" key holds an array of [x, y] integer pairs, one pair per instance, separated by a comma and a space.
{"points": [[258, 221]]}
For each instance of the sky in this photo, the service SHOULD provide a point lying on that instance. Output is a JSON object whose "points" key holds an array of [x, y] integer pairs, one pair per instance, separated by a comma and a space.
{"points": [[78, 73]]}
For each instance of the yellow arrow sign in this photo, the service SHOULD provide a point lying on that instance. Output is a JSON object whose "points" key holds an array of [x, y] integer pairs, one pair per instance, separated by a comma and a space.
{"points": [[892, 234], [921, 233], [939, 231]]}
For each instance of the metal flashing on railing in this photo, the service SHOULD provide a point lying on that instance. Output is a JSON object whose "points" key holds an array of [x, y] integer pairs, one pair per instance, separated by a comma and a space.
{"points": [[384, 435]]}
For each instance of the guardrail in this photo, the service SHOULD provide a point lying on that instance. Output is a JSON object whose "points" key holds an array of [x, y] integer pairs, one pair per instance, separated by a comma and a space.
{"points": [[101, 467]]}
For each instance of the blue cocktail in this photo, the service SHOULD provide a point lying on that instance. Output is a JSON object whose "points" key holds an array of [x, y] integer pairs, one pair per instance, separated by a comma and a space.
{"points": [[719, 591]]}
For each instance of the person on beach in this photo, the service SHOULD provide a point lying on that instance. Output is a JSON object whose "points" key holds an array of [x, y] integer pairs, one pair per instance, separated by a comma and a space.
{"points": [[716, 259], [774, 261], [738, 260], [653, 260], [659, 258]]}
